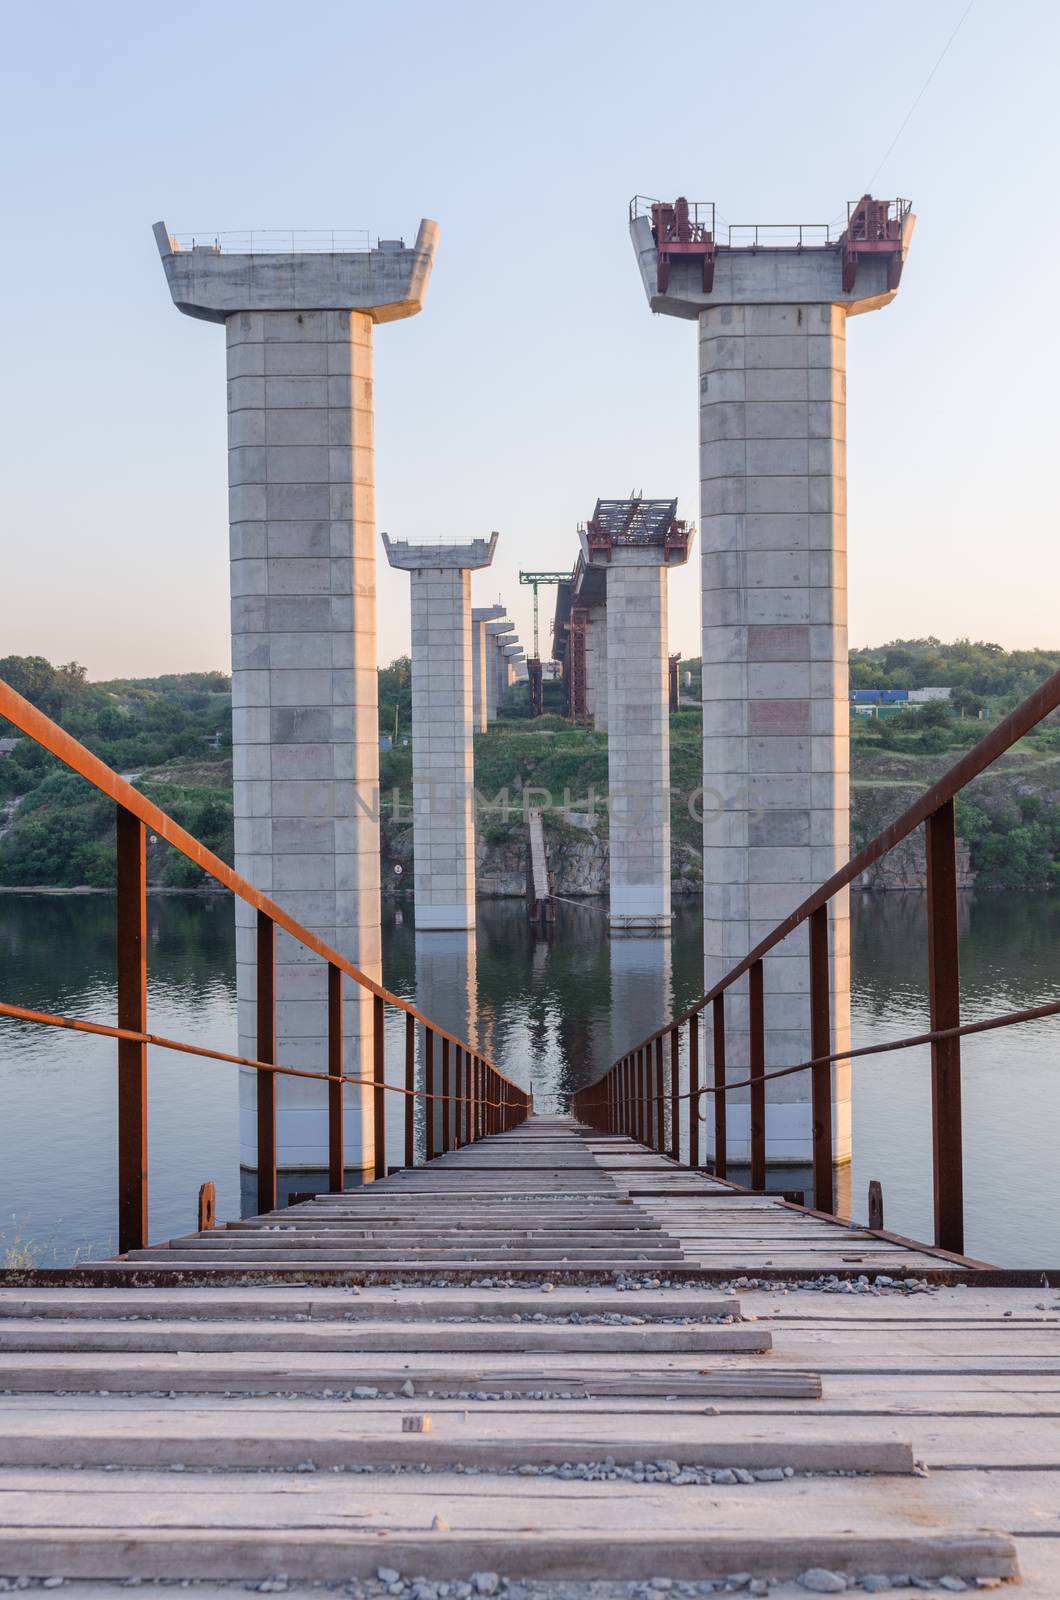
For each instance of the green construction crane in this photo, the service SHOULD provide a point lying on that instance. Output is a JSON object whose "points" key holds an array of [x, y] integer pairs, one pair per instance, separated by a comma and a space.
{"points": [[536, 578]]}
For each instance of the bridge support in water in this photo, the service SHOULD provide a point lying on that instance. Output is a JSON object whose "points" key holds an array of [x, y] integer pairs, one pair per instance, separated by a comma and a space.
{"points": [[637, 542], [447, 992], [771, 313], [301, 472], [443, 769]]}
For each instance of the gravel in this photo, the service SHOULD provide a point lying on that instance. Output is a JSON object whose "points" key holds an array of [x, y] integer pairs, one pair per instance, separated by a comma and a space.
{"points": [[486, 1585]]}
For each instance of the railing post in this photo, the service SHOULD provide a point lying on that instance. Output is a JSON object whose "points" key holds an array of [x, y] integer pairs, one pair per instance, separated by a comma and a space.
{"points": [[634, 1061], [721, 1155], [378, 1086], [693, 1091], [821, 1075], [945, 996], [410, 1089], [458, 1080], [445, 1095], [480, 1073], [336, 1141], [131, 949], [645, 1095], [428, 1089], [675, 1093], [660, 1117], [266, 1081], [469, 1105], [757, 1044]]}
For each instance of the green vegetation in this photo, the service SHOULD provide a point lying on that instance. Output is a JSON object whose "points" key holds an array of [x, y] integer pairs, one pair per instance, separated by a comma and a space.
{"points": [[172, 737], [395, 698], [979, 673]]}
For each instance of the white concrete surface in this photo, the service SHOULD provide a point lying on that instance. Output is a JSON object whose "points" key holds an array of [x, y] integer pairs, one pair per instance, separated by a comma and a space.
{"points": [[495, 638], [772, 348], [596, 666], [443, 764], [480, 615], [638, 735], [304, 688]]}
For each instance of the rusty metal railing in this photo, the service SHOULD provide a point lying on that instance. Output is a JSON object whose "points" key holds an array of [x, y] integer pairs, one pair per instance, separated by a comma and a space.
{"points": [[472, 1100], [632, 1096]]}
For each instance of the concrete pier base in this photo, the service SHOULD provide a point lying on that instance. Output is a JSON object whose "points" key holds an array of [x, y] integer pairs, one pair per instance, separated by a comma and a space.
{"points": [[447, 992], [443, 767], [641, 989]]}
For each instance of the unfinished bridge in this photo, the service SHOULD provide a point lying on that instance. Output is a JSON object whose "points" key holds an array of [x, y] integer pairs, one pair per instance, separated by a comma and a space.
{"points": [[499, 1346], [553, 1347]]}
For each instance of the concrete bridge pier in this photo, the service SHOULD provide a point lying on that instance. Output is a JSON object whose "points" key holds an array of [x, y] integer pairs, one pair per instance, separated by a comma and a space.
{"points": [[443, 764], [304, 689], [495, 638], [596, 666], [480, 615], [502, 675], [771, 326], [637, 541], [514, 664]]}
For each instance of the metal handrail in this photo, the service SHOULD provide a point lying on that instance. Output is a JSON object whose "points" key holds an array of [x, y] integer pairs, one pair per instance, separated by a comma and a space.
{"points": [[486, 1101], [263, 241], [779, 235], [626, 1099]]}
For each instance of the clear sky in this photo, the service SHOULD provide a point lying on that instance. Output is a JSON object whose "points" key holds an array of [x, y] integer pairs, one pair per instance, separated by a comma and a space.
{"points": [[536, 379]]}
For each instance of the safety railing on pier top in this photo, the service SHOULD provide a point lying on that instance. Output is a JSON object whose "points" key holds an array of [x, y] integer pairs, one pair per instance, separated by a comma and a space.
{"points": [[633, 1098], [465, 1095]]}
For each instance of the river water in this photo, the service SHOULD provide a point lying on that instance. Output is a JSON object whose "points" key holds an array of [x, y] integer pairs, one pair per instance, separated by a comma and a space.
{"points": [[547, 1009]]}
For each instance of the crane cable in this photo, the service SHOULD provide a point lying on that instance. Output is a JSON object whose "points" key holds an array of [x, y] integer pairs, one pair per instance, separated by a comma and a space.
{"points": [[923, 90]]}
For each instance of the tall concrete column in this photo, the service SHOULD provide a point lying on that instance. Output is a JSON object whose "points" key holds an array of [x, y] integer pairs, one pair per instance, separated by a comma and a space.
{"points": [[637, 541], [596, 666], [304, 688], [443, 756], [500, 672], [495, 632], [772, 365], [480, 615]]}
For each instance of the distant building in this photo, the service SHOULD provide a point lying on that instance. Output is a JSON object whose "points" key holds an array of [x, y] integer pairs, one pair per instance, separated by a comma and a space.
{"points": [[7, 745], [887, 702]]}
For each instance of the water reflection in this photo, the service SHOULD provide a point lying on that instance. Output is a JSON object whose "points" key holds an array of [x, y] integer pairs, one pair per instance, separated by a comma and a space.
{"points": [[553, 1011]]}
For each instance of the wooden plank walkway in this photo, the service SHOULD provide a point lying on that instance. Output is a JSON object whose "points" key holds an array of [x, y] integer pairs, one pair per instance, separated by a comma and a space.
{"points": [[233, 1405]]}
